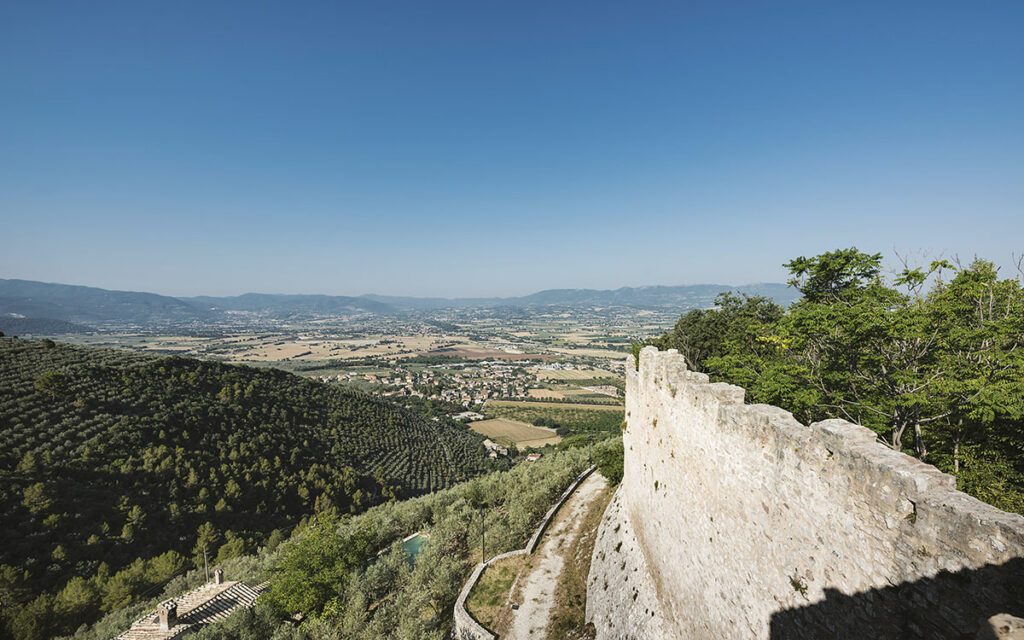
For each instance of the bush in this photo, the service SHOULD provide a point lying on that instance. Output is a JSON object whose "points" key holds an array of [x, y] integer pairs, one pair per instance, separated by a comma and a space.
{"points": [[609, 458]]}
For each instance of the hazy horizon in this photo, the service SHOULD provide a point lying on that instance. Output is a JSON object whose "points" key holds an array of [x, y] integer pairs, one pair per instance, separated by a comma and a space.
{"points": [[390, 295], [473, 150]]}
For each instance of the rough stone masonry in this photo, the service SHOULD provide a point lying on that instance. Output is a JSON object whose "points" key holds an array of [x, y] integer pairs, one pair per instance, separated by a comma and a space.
{"points": [[737, 521]]}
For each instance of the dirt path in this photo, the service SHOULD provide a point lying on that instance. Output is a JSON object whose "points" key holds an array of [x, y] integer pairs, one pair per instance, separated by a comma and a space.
{"points": [[530, 621]]}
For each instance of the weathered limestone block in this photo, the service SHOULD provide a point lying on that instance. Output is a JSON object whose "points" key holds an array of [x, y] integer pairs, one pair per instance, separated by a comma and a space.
{"points": [[1003, 627]]}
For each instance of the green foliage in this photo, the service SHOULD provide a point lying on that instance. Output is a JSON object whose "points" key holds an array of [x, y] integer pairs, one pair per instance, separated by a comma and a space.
{"points": [[703, 334], [51, 382], [109, 460], [331, 569], [833, 273], [610, 460], [578, 440], [635, 347], [943, 363], [37, 498], [310, 571]]}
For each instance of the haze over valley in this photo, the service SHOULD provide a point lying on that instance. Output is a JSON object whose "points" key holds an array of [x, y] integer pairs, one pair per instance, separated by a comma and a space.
{"points": [[532, 321]]}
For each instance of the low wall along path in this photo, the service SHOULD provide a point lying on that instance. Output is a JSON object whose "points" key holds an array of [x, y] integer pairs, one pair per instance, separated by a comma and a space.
{"points": [[465, 627]]}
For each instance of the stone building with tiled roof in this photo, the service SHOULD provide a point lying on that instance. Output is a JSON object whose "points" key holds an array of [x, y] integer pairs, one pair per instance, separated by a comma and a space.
{"points": [[192, 611]]}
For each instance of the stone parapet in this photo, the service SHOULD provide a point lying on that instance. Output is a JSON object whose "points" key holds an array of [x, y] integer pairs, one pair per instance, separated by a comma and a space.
{"points": [[752, 525]]}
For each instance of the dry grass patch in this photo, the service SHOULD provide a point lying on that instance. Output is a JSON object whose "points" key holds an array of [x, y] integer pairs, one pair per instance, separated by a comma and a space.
{"points": [[546, 393], [507, 432], [569, 374], [490, 600]]}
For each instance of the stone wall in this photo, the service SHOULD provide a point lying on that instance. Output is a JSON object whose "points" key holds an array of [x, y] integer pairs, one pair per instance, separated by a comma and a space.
{"points": [[736, 521]]}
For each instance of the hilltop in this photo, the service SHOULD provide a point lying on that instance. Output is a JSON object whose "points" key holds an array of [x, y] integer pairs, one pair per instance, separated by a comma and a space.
{"points": [[92, 305], [120, 468]]}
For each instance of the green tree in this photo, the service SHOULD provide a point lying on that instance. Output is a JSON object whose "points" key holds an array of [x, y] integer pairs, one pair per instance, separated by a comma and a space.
{"points": [[38, 498], [939, 361], [234, 547], [12, 587], [34, 621], [51, 383], [207, 540], [833, 274], [76, 598], [736, 321], [315, 568]]}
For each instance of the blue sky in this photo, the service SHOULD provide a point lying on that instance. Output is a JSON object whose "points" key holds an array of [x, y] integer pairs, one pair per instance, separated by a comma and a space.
{"points": [[498, 148]]}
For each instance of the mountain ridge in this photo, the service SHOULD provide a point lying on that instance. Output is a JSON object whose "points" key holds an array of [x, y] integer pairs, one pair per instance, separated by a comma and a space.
{"points": [[657, 296], [95, 306]]}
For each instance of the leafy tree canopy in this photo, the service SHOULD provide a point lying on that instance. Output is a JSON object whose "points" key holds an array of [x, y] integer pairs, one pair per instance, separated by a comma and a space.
{"points": [[934, 364]]}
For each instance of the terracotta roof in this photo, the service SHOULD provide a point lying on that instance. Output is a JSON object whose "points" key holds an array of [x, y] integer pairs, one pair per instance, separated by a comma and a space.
{"points": [[208, 604]]}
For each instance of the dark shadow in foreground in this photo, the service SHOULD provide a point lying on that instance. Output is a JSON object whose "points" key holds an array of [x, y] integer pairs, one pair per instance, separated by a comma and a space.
{"points": [[950, 605]]}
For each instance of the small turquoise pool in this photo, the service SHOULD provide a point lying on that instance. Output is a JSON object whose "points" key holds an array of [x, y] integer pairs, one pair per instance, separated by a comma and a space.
{"points": [[413, 545]]}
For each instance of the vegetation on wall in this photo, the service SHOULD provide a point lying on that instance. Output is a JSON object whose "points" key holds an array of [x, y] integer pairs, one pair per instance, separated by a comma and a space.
{"points": [[931, 359], [119, 471], [610, 459]]}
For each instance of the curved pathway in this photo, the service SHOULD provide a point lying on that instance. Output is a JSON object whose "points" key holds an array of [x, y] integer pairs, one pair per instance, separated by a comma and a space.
{"points": [[530, 621]]}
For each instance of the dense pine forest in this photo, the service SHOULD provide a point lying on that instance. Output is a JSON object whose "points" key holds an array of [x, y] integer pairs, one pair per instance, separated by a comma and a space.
{"points": [[119, 471], [351, 577], [931, 358]]}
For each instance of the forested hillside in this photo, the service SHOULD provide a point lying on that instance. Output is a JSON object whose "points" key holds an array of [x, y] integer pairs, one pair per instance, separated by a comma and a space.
{"points": [[118, 470], [18, 326], [934, 364], [93, 306], [353, 579]]}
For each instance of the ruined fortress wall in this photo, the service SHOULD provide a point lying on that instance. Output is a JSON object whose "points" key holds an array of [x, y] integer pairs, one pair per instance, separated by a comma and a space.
{"points": [[736, 521]]}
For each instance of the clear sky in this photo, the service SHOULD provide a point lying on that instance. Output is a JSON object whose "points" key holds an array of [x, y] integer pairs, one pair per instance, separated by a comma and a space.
{"points": [[498, 148]]}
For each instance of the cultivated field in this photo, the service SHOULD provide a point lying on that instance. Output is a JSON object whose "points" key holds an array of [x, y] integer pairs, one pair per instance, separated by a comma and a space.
{"points": [[546, 394], [571, 374], [567, 419], [521, 434], [485, 354], [596, 353], [499, 404]]}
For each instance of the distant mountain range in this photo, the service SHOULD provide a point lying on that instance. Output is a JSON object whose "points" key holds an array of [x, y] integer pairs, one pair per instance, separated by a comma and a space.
{"points": [[90, 305], [285, 304], [27, 300], [654, 297]]}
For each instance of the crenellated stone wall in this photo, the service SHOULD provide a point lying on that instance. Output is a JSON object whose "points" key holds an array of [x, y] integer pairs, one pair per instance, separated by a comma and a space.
{"points": [[737, 521]]}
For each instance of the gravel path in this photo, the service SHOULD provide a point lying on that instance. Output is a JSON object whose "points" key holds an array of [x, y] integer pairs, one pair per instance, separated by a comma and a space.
{"points": [[530, 621]]}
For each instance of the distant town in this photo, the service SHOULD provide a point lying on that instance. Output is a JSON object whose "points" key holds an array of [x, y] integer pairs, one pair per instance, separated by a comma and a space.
{"points": [[472, 383]]}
